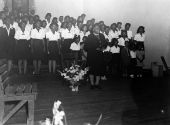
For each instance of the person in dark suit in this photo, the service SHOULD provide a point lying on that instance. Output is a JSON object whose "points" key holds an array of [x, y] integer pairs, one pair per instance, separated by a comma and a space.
{"points": [[94, 47]]}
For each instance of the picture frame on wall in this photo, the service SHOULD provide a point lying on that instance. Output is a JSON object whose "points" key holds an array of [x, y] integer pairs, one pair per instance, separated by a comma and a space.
{"points": [[20, 5]]}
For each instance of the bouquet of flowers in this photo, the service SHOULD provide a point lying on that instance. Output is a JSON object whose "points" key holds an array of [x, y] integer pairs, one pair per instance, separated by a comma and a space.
{"points": [[74, 74]]}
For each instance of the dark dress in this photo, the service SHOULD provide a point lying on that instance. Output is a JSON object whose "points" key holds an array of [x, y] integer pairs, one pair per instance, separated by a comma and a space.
{"points": [[95, 59], [8, 42], [38, 49], [53, 48], [22, 49], [2, 44]]}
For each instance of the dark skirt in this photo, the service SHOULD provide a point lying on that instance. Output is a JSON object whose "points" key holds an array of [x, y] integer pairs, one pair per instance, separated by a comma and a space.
{"points": [[65, 46], [95, 62], [22, 49], [38, 49], [140, 45], [53, 49]]}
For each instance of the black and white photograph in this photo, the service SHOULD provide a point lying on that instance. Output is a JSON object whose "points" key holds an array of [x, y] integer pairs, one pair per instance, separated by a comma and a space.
{"points": [[84, 62]]}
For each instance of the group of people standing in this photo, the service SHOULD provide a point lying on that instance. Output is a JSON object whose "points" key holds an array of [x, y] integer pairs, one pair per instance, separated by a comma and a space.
{"points": [[23, 36]]}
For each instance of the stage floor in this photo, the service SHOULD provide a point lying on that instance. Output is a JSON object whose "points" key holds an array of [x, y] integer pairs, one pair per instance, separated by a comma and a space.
{"points": [[121, 101]]}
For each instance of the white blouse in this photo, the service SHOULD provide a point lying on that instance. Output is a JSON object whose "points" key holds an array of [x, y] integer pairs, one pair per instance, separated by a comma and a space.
{"points": [[129, 34], [15, 25], [139, 37], [66, 34], [121, 41], [119, 31], [113, 34], [19, 35], [133, 54], [115, 49], [107, 37], [52, 36], [75, 30], [35, 34], [75, 47]]}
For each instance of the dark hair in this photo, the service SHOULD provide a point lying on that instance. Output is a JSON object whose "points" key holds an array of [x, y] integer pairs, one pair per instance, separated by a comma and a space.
{"points": [[127, 24], [141, 27], [114, 40], [119, 23], [48, 14], [83, 26]]}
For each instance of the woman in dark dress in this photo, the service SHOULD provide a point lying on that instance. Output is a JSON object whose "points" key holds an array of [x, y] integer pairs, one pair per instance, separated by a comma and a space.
{"points": [[94, 47], [8, 33], [53, 37], [37, 46], [22, 37]]}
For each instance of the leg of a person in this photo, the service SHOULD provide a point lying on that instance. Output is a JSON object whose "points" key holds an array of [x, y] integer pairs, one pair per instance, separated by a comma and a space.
{"points": [[20, 66], [39, 66], [50, 65], [54, 66], [25, 66]]}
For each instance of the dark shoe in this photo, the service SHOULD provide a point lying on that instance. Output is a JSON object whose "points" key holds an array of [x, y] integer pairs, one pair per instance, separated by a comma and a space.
{"points": [[98, 87], [92, 87]]}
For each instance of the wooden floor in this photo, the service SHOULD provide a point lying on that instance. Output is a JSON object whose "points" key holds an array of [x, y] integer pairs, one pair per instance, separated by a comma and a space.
{"points": [[121, 101]]}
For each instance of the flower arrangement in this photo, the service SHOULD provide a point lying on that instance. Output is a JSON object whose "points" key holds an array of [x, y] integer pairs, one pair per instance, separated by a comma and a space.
{"points": [[74, 74]]}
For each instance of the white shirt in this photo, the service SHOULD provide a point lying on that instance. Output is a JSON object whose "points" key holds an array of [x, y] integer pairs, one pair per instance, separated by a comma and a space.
{"points": [[133, 54], [66, 34], [129, 34], [75, 47], [82, 35], [140, 38], [119, 31], [59, 24], [113, 34], [19, 35], [115, 49], [35, 34], [29, 27], [48, 23], [107, 49], [121, 41], [75, 30], [53, 36]]}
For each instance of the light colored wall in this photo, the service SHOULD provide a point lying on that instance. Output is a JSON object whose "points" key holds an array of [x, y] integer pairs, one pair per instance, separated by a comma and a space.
{"points": [[153, 14]]}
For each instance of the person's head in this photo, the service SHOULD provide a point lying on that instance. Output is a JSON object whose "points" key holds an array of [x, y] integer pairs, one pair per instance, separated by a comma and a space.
{"points": [[102, 28], [80, 19], [48, 16], [67, 19], [61, 19], [101, 23], [119, 25], [22, 25], [64, 25], [71, 19], [2, 15], [113, 26], [44, 24], [12, 18], [141, 29], [88, 22], [107, 29], [93, 21], [32, 12], [96, 28], [83, 16], [127, 26], [31, 20], [25, 18], [84, 28], [69, 26], [36, 18], [124, 33], [7, 21], [90, 27], [54, 27], [79, 24], [54, 20], [38, 24], [74, 21], [17, 19], [76, 39]]}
